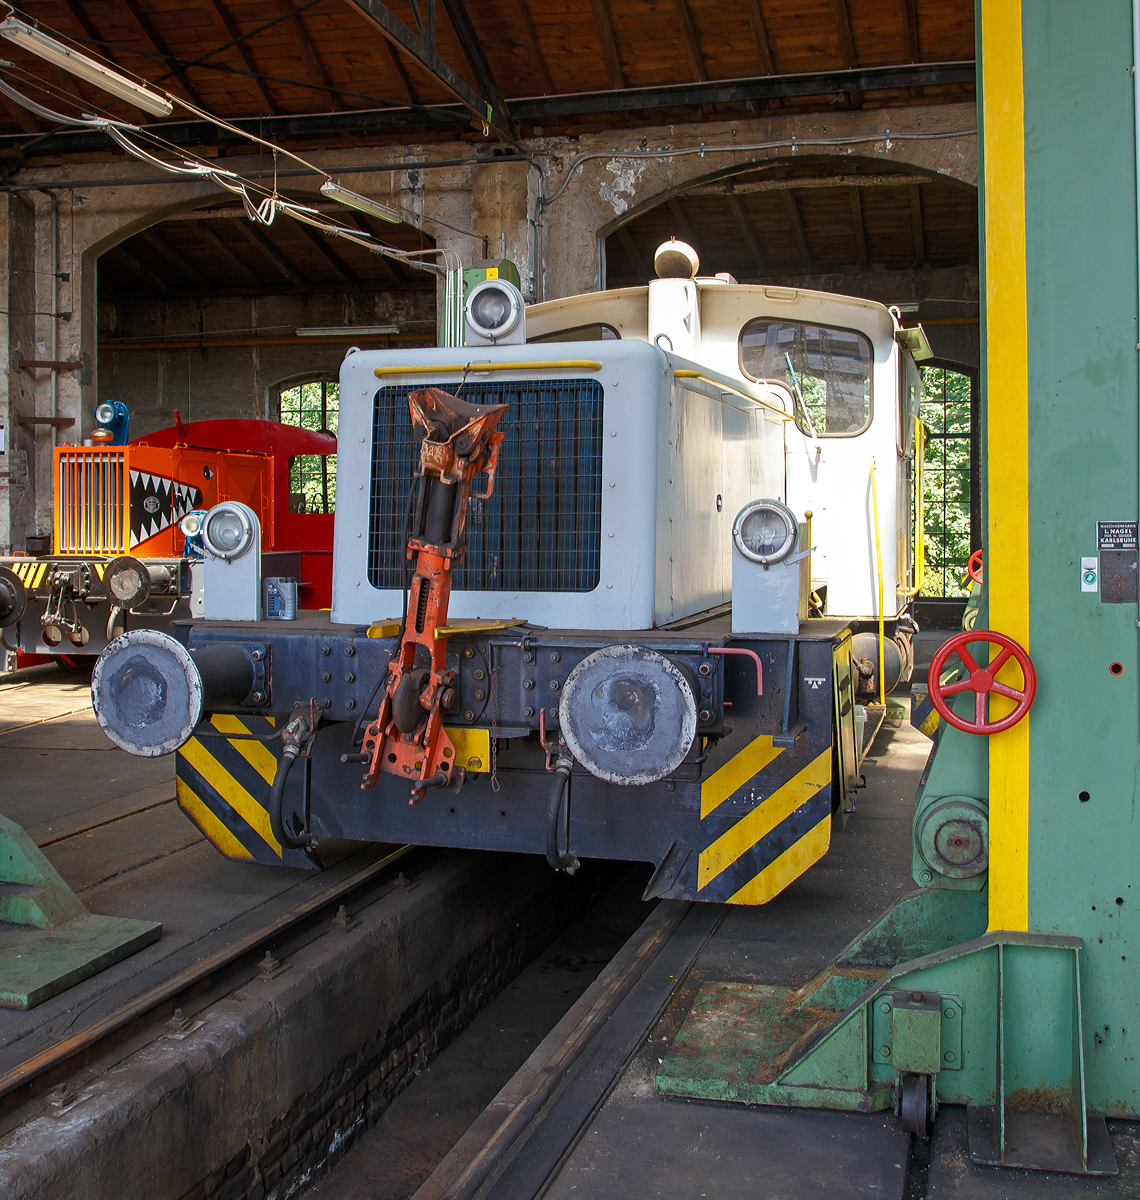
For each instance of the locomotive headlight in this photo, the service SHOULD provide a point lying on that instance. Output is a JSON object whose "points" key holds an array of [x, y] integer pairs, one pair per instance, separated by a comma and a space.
{"points": [[765, 531], [105, 413], [494, 308], [228, 531], [191, 525]]}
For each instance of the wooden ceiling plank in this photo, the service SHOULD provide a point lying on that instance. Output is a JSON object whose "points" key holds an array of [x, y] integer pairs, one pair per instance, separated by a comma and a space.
{"points": [[146, 27], [273, 253], [392, 59], [632, 253], [207, 235], [858, 226], [916, 229], [320, 241], [310, 56], [740, 216], [535, 51], [690, 40], [223, 19], [138, 268], [155, 242], [792, 209], [604, 28]]}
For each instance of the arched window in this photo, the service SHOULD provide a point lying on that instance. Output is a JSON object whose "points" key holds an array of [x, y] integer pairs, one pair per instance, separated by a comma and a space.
{"points": [[314, 404]]}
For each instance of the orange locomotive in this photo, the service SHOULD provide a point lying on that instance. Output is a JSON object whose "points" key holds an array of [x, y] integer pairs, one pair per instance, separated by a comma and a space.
{"points": [[118, 557]]}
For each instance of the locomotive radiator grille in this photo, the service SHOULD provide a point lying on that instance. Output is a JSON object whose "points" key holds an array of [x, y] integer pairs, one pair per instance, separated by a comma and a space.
{"points": [[541, 530], [91, 506]]}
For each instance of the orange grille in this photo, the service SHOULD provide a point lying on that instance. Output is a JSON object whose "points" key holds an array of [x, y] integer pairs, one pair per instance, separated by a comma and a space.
{"points": [[91, 501]]}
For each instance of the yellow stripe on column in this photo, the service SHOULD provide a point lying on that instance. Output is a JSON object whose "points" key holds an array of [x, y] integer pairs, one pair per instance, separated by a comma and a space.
{"points": [[209, 824], [1007, 434], [763, 818], [790, 865]]}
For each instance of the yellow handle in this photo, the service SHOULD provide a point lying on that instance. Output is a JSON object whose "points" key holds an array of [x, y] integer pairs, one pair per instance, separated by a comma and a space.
{"points": [[575, 364], [920, 511], [879, 566]]}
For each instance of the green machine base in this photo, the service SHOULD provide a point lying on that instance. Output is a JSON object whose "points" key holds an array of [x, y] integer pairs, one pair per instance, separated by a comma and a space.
{"points": [[48, 940], [989, 1020]]}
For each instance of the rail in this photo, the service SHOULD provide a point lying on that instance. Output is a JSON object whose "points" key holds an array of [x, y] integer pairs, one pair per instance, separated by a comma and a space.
{"points": [[230, 955]]}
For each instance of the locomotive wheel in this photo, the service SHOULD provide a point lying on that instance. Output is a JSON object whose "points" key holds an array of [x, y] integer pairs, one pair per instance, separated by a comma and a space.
{"points": [[914, 1106]]}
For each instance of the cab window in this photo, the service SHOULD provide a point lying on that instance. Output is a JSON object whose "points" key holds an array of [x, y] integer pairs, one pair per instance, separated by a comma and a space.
{"points": [[910, 402], [831, 366], [312, 477]]}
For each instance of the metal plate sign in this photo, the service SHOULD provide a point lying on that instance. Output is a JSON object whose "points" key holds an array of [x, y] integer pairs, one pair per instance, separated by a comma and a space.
{"points": [[1116, 541]]}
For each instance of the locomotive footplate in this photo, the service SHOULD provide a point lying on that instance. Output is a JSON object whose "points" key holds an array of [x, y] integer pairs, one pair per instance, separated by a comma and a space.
{"points": [[747, 810]]}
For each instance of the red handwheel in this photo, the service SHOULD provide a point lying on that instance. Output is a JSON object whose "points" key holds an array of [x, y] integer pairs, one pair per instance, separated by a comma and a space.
{"points": [[974, 567], [981, 681]]}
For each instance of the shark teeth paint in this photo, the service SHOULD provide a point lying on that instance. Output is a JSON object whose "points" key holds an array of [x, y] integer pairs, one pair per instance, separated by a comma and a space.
{"points": [[157, 503]]}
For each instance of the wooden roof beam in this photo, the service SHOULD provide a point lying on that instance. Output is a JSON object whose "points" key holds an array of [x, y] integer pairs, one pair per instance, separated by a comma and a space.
{"points": [[207, 235], [910, 27], [421, 47], [223, 19], [272, 253], [388, 265], [847, 51], [629, 246], [310, 56], [690, 40], [474, 53], [80, 17], [535, 51], [792, 210], [916, 229], [605, 31], [760, 37], [138, 268], [747, 231], [859, 226], [145, 26], [155, 242], [320, 241], [686, 229]]}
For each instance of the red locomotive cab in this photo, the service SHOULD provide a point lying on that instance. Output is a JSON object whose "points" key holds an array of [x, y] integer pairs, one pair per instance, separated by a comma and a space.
{"points": [[197, 465]]}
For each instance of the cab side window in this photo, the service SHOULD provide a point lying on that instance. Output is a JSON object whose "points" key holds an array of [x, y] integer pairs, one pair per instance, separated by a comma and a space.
{"points": [[312, 477], [831, 366]]}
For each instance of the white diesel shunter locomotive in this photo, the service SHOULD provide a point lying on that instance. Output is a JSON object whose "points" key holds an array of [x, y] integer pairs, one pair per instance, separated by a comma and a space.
{"points": [[611, 580]]}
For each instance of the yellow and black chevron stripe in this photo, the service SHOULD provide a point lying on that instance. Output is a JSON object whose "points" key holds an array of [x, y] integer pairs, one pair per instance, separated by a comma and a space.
{"points": [[223, 787], [923, 715], [765, 818], [32, 571]]}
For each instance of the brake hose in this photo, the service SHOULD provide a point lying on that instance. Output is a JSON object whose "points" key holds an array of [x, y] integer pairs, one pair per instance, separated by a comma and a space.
{"points": [[276, 801], [559, 803]]}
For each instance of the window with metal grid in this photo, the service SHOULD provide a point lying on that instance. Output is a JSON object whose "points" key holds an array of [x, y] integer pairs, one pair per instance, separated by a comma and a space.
{"points": [[541, 530]]}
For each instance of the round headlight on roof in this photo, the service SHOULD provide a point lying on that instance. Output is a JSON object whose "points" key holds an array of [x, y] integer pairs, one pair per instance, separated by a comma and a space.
{"points": [[104, 413], [228, 531], [494, 308], [765, 531]]}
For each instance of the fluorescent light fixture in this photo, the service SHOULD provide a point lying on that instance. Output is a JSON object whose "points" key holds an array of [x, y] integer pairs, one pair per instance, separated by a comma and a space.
{"points": [[372, 208], [348, 331], [86, 68]]}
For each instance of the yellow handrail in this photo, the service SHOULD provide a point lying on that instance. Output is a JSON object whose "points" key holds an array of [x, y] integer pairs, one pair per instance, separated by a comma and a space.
{"points": [[879, 564], [920, 512], [575, 364], [729, 387]]}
